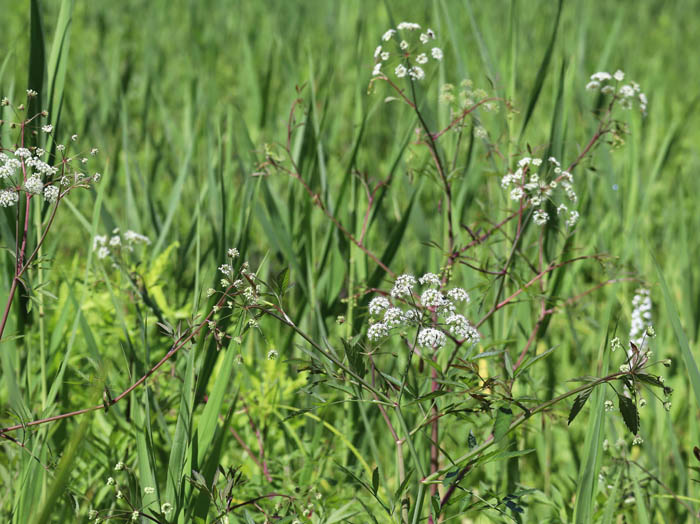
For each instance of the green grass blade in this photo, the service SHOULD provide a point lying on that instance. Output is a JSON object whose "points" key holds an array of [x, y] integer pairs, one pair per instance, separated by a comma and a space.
{"points": [[688, 359], [593, 449], [541, 73], [58, 61], [181, 438]]}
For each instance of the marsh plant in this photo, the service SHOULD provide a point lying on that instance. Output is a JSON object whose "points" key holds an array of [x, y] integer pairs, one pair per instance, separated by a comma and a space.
{"points": [[425, 354]]}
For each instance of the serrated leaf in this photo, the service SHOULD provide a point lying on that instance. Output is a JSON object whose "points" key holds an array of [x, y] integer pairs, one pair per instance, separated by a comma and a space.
{"points": [[579, 402], [652, 380], [629, 413]]}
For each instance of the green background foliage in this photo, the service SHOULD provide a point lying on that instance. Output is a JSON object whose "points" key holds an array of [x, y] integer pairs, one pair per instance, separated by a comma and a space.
{"points": [[182, 97]]}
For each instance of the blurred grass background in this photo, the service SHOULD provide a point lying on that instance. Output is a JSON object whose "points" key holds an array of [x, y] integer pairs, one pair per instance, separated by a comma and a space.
{"points": [[181, 96]]}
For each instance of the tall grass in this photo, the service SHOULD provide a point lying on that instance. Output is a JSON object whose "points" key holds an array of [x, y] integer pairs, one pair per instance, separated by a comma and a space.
{"points": [[187, 104]]}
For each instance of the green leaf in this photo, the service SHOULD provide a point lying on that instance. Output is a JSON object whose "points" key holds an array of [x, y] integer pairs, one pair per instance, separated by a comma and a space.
{"points": [[652, 380], [629, 413], [375, 480], [502, 424], [579, 402]]}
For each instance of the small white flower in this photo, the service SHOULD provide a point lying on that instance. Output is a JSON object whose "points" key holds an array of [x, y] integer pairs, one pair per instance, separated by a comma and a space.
{"points": [[92, 514], [431, 338], [148, 490], [377, 51], [411, 316], [638, 441], [377, 305], [424, 38], [422, 59], [458, 295], [133, 237], [47, 128], [110, 481], [377, 69], [403, 45], [437, 53], [272, 354], [461, 327], [410, 26], [393, 317], [432, 298], [601, 76], [166, 508], [134, 516], [8, 198], [627, 91], [377, 331], [74, 137], [540, 217], [385, 56], [226, 269], [573, 218], [94, 151], [103, 252], [387, 36], [403, 286], [609, 406], [429, 279], [619, 75], [232, 253], [592, 85], [400, 71], [119, 466], [115, 241], [34, 185], [23, 152], [517, 193], [615, 344], [417, 73]]}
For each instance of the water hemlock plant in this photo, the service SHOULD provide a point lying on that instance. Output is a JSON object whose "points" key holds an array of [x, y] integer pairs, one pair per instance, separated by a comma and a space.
{"points": [[395, 299]]}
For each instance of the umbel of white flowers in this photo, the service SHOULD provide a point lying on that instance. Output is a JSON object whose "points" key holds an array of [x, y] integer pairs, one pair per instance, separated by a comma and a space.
{"points": [[536, 182], [432, 311], [407, 50]]}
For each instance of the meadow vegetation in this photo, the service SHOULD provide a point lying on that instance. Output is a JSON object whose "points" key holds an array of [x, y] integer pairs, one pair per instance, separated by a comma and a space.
{"points": [[323, 262]]}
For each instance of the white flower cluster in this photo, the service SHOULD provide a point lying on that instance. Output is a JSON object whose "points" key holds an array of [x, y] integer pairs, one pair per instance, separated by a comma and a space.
{"points": [[412, 53], [610, 84], [641, 318], [106, 246], [8, 198], [9, 165], [641, 330], [39, 176], [528, 185], [432, 312]]}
